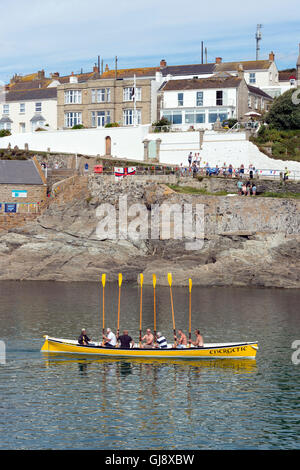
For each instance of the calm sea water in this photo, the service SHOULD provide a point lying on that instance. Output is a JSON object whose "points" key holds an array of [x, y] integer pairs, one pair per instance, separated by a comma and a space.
{"points": [[70, 403]]}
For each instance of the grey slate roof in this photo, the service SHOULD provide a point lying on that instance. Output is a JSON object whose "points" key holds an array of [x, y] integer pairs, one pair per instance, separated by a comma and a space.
{"points": [[194, 69], [37, 118], [35, 94], [19, 172], [5, 119], [258, 91]]}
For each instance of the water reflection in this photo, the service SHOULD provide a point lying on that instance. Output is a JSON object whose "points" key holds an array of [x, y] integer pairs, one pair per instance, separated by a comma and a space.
{"points": [[149, 365]]}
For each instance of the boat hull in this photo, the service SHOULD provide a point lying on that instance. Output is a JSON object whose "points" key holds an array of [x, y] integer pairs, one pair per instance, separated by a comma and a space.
{"points": [[221, 351]]}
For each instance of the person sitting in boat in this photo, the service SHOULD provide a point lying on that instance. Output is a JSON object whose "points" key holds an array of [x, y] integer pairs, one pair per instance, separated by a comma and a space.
{"points": [[83, 338], [161, 341], [110, 339], [125, 340], [199, 340], [149, 338], [182, 341]]}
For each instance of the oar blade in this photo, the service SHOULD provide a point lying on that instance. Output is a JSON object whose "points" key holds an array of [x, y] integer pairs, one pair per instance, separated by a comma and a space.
{"points": [[103, 279], [154, 280], [120, 279], [190, 285], [141, 279], [170, 279]]}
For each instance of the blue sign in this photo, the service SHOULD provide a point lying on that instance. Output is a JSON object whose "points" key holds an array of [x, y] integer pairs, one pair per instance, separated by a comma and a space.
{"points": [[20, 193], [10, 208]]}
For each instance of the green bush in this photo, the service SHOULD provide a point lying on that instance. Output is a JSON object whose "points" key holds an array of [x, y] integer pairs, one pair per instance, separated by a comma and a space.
{"points": [[284, 114], [4, 133], [162, 125], [112, 124], [78, 126]]}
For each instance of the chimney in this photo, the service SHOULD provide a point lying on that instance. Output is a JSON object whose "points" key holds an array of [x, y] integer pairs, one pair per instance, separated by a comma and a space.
{"points": [[162, 63], [96, 69], [240, 71], [106, 68], [41, 74], [271, 56], [218, 60]]}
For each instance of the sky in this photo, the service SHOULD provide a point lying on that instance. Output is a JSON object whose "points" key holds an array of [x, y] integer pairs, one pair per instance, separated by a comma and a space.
{"points": [[67, 35]]}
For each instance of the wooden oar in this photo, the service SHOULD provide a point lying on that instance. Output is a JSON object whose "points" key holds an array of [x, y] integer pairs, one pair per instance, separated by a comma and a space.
{"points": [[173, 318], [141, 307], [119, 302], [103, 303], [154, 300], [190, 312]]}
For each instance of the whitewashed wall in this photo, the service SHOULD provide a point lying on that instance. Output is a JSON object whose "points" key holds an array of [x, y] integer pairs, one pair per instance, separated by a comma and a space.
{"points": [[126, 142], [175, 146], [190, 98]]}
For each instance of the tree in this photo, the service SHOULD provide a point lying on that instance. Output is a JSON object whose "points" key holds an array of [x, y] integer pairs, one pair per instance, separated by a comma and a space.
{"points": [[284, 114]]}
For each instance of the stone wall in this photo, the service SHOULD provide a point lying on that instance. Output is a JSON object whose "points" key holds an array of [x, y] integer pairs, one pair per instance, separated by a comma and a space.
{"points": [[10, 221], [216, 184], [35, 193]]}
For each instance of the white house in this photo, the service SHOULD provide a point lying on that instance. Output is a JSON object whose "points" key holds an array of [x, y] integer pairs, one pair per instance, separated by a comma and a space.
{"points": [[27, 104], [199, 103], [30, 102]]}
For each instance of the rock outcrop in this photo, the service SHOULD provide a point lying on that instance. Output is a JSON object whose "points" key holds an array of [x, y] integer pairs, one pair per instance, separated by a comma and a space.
{"points": [[247, 241]]}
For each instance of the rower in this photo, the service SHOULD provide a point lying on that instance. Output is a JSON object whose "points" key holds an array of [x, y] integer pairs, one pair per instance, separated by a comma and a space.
{"points": [[83, 338], [110, 340], [161, 341], [199, 340], [125, 340], [149, 339], [182, 341]]}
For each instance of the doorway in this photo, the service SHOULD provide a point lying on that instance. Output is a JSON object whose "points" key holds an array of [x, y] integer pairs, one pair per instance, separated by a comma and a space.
{"points": [[107, 145]]}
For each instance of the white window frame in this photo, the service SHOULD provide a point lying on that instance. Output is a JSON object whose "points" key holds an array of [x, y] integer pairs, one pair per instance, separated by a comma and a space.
{"points": [[127, 91], [73, 97], [38, 107], [95, 116], [199, 98], [73, 118], [100, 95], [22, 108], [5, 126], [252, 77], [180, 100], [128, 117], [219, 101], [6, 109]]}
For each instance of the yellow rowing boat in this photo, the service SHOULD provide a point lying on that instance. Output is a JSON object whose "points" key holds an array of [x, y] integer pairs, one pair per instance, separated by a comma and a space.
{"points": [[242, 350]]}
